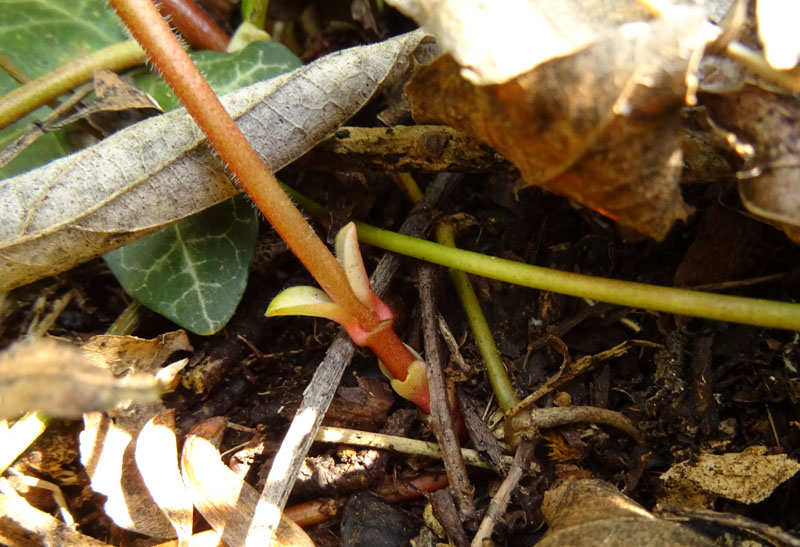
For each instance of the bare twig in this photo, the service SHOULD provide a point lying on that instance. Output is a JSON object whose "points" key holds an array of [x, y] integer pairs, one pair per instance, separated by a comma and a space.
{"points": [[524, 422], [446, 513], [500, 500], [441, 412]]}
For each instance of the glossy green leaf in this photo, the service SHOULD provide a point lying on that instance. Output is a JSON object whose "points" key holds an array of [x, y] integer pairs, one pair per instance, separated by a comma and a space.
{"points": [[227, 71], [194, 272]]}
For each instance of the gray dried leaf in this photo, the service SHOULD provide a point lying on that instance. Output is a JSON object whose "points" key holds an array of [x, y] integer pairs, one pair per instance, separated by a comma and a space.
{"points": [[58, 379], [160, 170]]}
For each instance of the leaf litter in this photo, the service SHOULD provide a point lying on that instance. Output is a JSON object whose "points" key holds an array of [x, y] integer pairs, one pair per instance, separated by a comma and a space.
{"points": [[626, 381]]}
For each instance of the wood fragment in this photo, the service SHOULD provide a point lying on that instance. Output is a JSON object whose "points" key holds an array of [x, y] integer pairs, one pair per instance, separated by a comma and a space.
{"points": [[441, 411], [500, 500]]}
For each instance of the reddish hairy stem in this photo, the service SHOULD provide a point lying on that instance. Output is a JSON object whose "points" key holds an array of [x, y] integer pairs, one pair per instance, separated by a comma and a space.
{"points": [[195, 25], [153, 33]]}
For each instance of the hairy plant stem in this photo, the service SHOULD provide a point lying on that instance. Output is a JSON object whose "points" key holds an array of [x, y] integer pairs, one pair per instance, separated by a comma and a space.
{"points": [[152, 32]]}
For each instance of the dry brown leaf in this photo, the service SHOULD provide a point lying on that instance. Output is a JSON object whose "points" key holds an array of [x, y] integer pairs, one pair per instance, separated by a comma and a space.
{"points": [[107, 453], [124, 354], [108, 443], [747, 477], [600, 127], [767, 122], [113, 94], [58, 379], [476, 32], [157, 459], [225, 500], [580, 512], [136, 181], [24, 526]]}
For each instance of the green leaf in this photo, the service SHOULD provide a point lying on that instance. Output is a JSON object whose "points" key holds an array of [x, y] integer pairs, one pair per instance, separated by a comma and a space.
{"points": [[227, 72], [39, 36], [193, 272]]}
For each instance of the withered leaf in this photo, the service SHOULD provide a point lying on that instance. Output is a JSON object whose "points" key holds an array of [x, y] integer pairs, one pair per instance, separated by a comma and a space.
{"points": [[226, 501], [767, 121], [580, 512], [600, 127], [161, 170], [157, 459], [58, 379], [107, 453], [129, 354], [476, 32], [747, 477]]}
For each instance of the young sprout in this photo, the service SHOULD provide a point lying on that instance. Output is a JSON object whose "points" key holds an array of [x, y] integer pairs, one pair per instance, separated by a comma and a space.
{"points": [[408, 376]]}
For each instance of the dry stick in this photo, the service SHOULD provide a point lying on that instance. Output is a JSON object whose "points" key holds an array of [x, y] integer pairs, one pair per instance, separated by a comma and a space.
{"points": [[442, 415], [323, 385], [446, 513], [500, 500], [534, 419]]}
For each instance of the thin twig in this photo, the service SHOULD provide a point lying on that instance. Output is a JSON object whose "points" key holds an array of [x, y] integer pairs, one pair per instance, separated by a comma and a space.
{"points": [[539, 418], [460, 487], [402, 445], [500, 500]]}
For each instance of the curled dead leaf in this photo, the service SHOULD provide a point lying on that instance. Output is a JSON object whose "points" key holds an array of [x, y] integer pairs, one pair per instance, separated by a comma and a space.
{"points": [[226, 501], [765, 124], [600, 127]]}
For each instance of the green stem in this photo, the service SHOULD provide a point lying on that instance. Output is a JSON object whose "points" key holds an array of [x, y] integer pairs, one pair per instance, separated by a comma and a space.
{"points": [[501, 385], [750, 311], [34, 94], [255, 12]]}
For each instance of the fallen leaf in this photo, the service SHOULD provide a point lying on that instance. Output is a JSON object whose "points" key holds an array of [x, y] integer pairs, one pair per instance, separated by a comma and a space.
{"points": [[765, 124], [126, 354], [600, 127], [108, 443], [226, 501], [157, 459], [747, 477], [21, 524], [107, 453], [475, 32], [86, 204], [580, 512], [58, 379], [113, 94]]}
